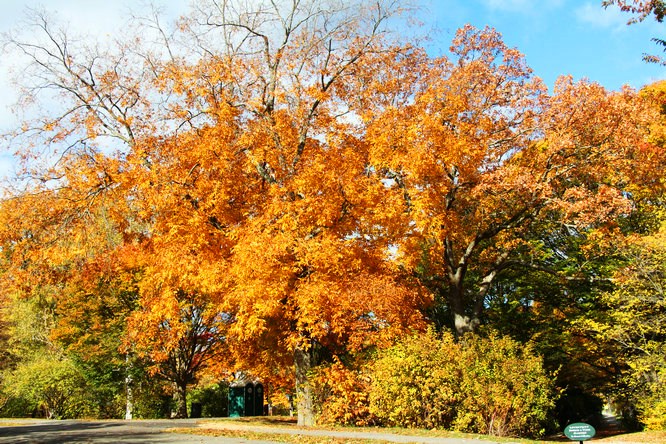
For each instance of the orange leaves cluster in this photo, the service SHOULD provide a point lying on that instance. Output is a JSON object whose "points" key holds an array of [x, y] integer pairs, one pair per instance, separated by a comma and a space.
{"points": [[343, 395], [289, 194]]}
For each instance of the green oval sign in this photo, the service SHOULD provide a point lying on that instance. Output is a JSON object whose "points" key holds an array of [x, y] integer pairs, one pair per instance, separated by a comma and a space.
{"points": [[579, 431]]}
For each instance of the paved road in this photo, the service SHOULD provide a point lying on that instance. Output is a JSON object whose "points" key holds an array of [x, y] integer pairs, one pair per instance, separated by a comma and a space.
{"points": [[155, 432], [105, 432]]}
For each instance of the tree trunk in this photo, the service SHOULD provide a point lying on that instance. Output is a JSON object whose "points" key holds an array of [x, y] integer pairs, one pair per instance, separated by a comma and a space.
{"points": [[463, 322], [457, 302], [303, 364], [180, 398], [129, 394]]}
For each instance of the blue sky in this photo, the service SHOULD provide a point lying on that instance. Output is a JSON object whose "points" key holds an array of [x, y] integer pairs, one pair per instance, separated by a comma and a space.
{"points": [[577, 37]]}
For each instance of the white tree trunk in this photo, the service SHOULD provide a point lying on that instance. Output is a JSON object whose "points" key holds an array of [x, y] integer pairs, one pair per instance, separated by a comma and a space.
{"points": [[129, 394], [303, 364]]}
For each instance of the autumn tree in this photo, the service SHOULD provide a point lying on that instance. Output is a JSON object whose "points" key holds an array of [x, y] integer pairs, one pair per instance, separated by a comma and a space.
{"points": [[181, 343], [67, 272], [92, 316], [290, 183], [285, 187], [633, 309], [236, 175], [479, 153], [642, 8]]}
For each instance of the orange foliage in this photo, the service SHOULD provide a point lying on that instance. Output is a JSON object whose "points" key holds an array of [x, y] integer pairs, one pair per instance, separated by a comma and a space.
{"points": [[344, 395], [481, 151]]}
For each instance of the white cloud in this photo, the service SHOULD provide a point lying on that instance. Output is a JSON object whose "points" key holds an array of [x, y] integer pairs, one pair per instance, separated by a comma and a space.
{"points": [[607, 18], [7, 166], [98, 19]]}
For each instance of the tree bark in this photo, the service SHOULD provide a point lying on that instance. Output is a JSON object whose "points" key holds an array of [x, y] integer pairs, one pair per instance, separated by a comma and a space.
{"points": [[463, 322], [180, 398], [303, 365]]}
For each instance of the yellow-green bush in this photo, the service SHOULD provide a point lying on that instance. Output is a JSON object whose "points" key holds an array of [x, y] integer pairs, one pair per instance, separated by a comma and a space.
{"points": [[488, 385], [46, 385], [655, 417], [650, 393], [415, 383], [504, 389]]}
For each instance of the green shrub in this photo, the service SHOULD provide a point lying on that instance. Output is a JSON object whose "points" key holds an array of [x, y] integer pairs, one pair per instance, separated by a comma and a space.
{"points": [[48, 386], [213, 399], [151, 399]]}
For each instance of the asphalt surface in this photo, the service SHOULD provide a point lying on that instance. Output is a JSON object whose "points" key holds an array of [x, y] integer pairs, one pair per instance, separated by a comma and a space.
{"points": [[106, 432], [157, 432]]}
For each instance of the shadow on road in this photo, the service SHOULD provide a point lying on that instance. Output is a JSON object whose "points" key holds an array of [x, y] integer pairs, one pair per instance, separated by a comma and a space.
{"points": [[87, 432]]}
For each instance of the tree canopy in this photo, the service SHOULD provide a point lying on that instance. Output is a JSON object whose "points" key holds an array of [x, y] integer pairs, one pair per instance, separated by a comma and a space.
{"points": [[263, 189]]}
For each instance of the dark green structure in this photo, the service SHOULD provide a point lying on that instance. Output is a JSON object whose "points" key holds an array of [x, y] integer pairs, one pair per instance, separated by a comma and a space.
{"points": [[246, 400], [236, 401], [258, 399]]}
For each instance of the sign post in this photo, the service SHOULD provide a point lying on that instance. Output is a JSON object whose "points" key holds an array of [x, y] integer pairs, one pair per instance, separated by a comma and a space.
{"points": [[579, 431]]}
